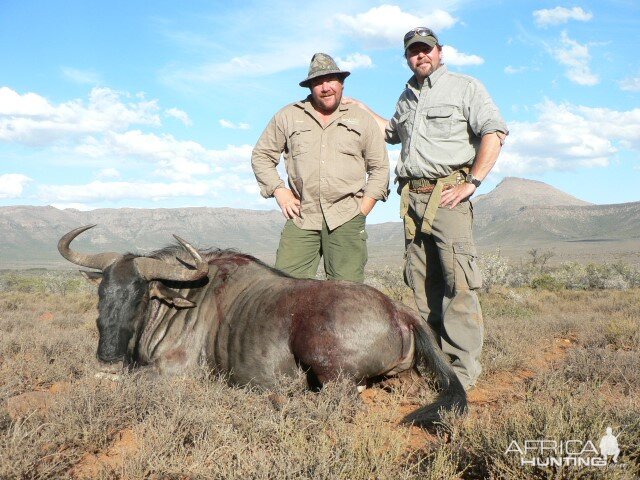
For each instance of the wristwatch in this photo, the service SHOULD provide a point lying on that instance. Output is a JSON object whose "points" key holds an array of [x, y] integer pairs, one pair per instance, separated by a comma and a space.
{"points": [[471, 179]]}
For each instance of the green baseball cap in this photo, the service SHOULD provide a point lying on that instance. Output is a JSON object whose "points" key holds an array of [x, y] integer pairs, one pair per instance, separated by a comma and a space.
{"points": [[420, 35], [322, 64]]}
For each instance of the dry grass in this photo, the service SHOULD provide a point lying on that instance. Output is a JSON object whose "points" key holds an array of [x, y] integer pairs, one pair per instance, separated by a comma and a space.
{"points": [[558, 365]]}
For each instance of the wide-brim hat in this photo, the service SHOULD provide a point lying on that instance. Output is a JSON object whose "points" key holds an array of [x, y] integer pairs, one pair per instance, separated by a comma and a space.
{"points": [[322, 64], [420, 35]]}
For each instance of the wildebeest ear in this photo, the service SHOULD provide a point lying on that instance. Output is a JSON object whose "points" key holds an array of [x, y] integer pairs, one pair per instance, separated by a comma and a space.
{"points": [[93, 277], [158, 290]]}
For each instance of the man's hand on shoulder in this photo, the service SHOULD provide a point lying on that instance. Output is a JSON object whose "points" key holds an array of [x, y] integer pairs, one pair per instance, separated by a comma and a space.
{"points": [[354, 101], [288, 202], [349, 101], [457, 194]]}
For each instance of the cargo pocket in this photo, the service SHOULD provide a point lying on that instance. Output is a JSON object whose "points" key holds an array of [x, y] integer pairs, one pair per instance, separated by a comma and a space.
{"points": [[409, 228], [467, 275]]}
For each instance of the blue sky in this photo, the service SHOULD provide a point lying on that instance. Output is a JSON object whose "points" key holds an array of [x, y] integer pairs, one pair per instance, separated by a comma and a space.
{"points": [[158, 104]]}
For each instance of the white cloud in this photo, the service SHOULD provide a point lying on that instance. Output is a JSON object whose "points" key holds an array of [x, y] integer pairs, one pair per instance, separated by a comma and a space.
{"points": [[172, 158], [83, 77], [559, 15], [566, 137], [82, 196], [308, 30], [233, 154], [31, 119], [280, 57], [232, 125], [312, 28], [29, 104], [101, 191], [176, 159], [630, 84], [386, 25], [575, 57], [12, 184], [180, 115], [108, 173], [451, 56], [354, 61]]}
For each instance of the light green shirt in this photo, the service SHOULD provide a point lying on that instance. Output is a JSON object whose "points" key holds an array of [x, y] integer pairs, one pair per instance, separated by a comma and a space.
{"points": [[440, 124]]}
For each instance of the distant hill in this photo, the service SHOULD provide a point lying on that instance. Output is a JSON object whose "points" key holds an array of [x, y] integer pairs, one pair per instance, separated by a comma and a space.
{"points": [[30, 234], [513, 193], [516, 216], [521, 212]]}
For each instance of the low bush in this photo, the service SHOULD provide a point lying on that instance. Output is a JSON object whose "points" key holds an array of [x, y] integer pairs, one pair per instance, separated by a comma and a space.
{"points": [[569, 275]]}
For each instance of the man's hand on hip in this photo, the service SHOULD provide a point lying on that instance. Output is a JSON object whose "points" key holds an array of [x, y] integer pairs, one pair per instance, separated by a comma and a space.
{"points": [[288, 202], [457, 194]]}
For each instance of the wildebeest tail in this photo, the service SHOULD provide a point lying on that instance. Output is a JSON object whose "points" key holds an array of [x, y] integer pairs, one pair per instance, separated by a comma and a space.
{"points": [[452, 396]]}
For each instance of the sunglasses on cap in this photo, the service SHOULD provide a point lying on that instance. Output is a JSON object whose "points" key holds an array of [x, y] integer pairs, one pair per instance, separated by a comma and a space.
{"points": [[422, 31]]}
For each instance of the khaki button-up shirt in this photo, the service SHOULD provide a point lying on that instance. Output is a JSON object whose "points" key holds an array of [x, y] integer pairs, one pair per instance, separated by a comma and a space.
{"points": [[330, 167], [441, 124]]}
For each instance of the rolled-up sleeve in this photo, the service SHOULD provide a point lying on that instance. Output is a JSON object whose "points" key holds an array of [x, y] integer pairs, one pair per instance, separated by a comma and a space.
{"points": [[377, 161], [482, 113], [266, 157], [391, 132]]}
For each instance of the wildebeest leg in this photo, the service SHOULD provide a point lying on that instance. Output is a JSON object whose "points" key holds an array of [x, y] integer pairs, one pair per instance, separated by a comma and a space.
{"points": [[315, 385], [313, 382]]}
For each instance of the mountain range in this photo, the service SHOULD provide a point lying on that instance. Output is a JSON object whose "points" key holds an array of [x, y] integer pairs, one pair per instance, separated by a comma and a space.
{"points": [[517, 216]]}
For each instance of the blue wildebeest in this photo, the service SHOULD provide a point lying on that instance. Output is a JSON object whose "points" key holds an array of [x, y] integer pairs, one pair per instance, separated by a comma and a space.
{"points": [[177, 308]]}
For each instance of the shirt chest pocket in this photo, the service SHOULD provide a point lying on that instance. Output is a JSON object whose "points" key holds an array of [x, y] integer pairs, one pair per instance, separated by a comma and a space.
{"points": [[349, 165], [300, 141], [348, 140], [439, 121]]}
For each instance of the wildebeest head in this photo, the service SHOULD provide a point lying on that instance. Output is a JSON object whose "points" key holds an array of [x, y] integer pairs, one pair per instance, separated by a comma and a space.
{"points": [[126, 282]]}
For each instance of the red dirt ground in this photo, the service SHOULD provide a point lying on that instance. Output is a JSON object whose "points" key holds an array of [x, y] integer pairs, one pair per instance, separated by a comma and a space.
{"points": [[490, 390]]}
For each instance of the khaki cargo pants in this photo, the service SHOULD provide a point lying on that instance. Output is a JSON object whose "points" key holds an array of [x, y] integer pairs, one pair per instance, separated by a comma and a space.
{"points": [[344, 250], [442, 272]]}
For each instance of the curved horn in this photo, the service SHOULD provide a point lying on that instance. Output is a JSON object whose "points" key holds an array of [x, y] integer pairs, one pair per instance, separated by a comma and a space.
{"points": [[99, 261], [152, 269]]}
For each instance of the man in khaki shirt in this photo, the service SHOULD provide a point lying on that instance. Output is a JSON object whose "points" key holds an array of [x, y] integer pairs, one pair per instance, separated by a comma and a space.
{"points": [[337, 168], [451, 134]]}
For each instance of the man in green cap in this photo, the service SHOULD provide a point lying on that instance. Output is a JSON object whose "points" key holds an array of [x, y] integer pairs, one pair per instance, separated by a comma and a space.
{"points": [[451, 134], [337, 168]]}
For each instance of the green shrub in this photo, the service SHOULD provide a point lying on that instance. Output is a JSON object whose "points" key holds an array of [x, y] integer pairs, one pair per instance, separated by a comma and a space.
{"points": [[547, 282]]}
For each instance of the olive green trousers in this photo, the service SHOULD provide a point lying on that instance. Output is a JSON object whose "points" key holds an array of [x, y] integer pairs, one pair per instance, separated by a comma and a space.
{"points": [[344, 250], [441, 270]]}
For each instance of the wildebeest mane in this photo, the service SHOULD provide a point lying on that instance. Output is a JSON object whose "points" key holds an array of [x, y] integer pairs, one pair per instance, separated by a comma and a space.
{"points": [[176, 252]]}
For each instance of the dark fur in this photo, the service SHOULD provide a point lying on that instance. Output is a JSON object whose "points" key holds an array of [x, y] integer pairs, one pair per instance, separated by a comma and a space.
{"points": [[255, 324]]}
